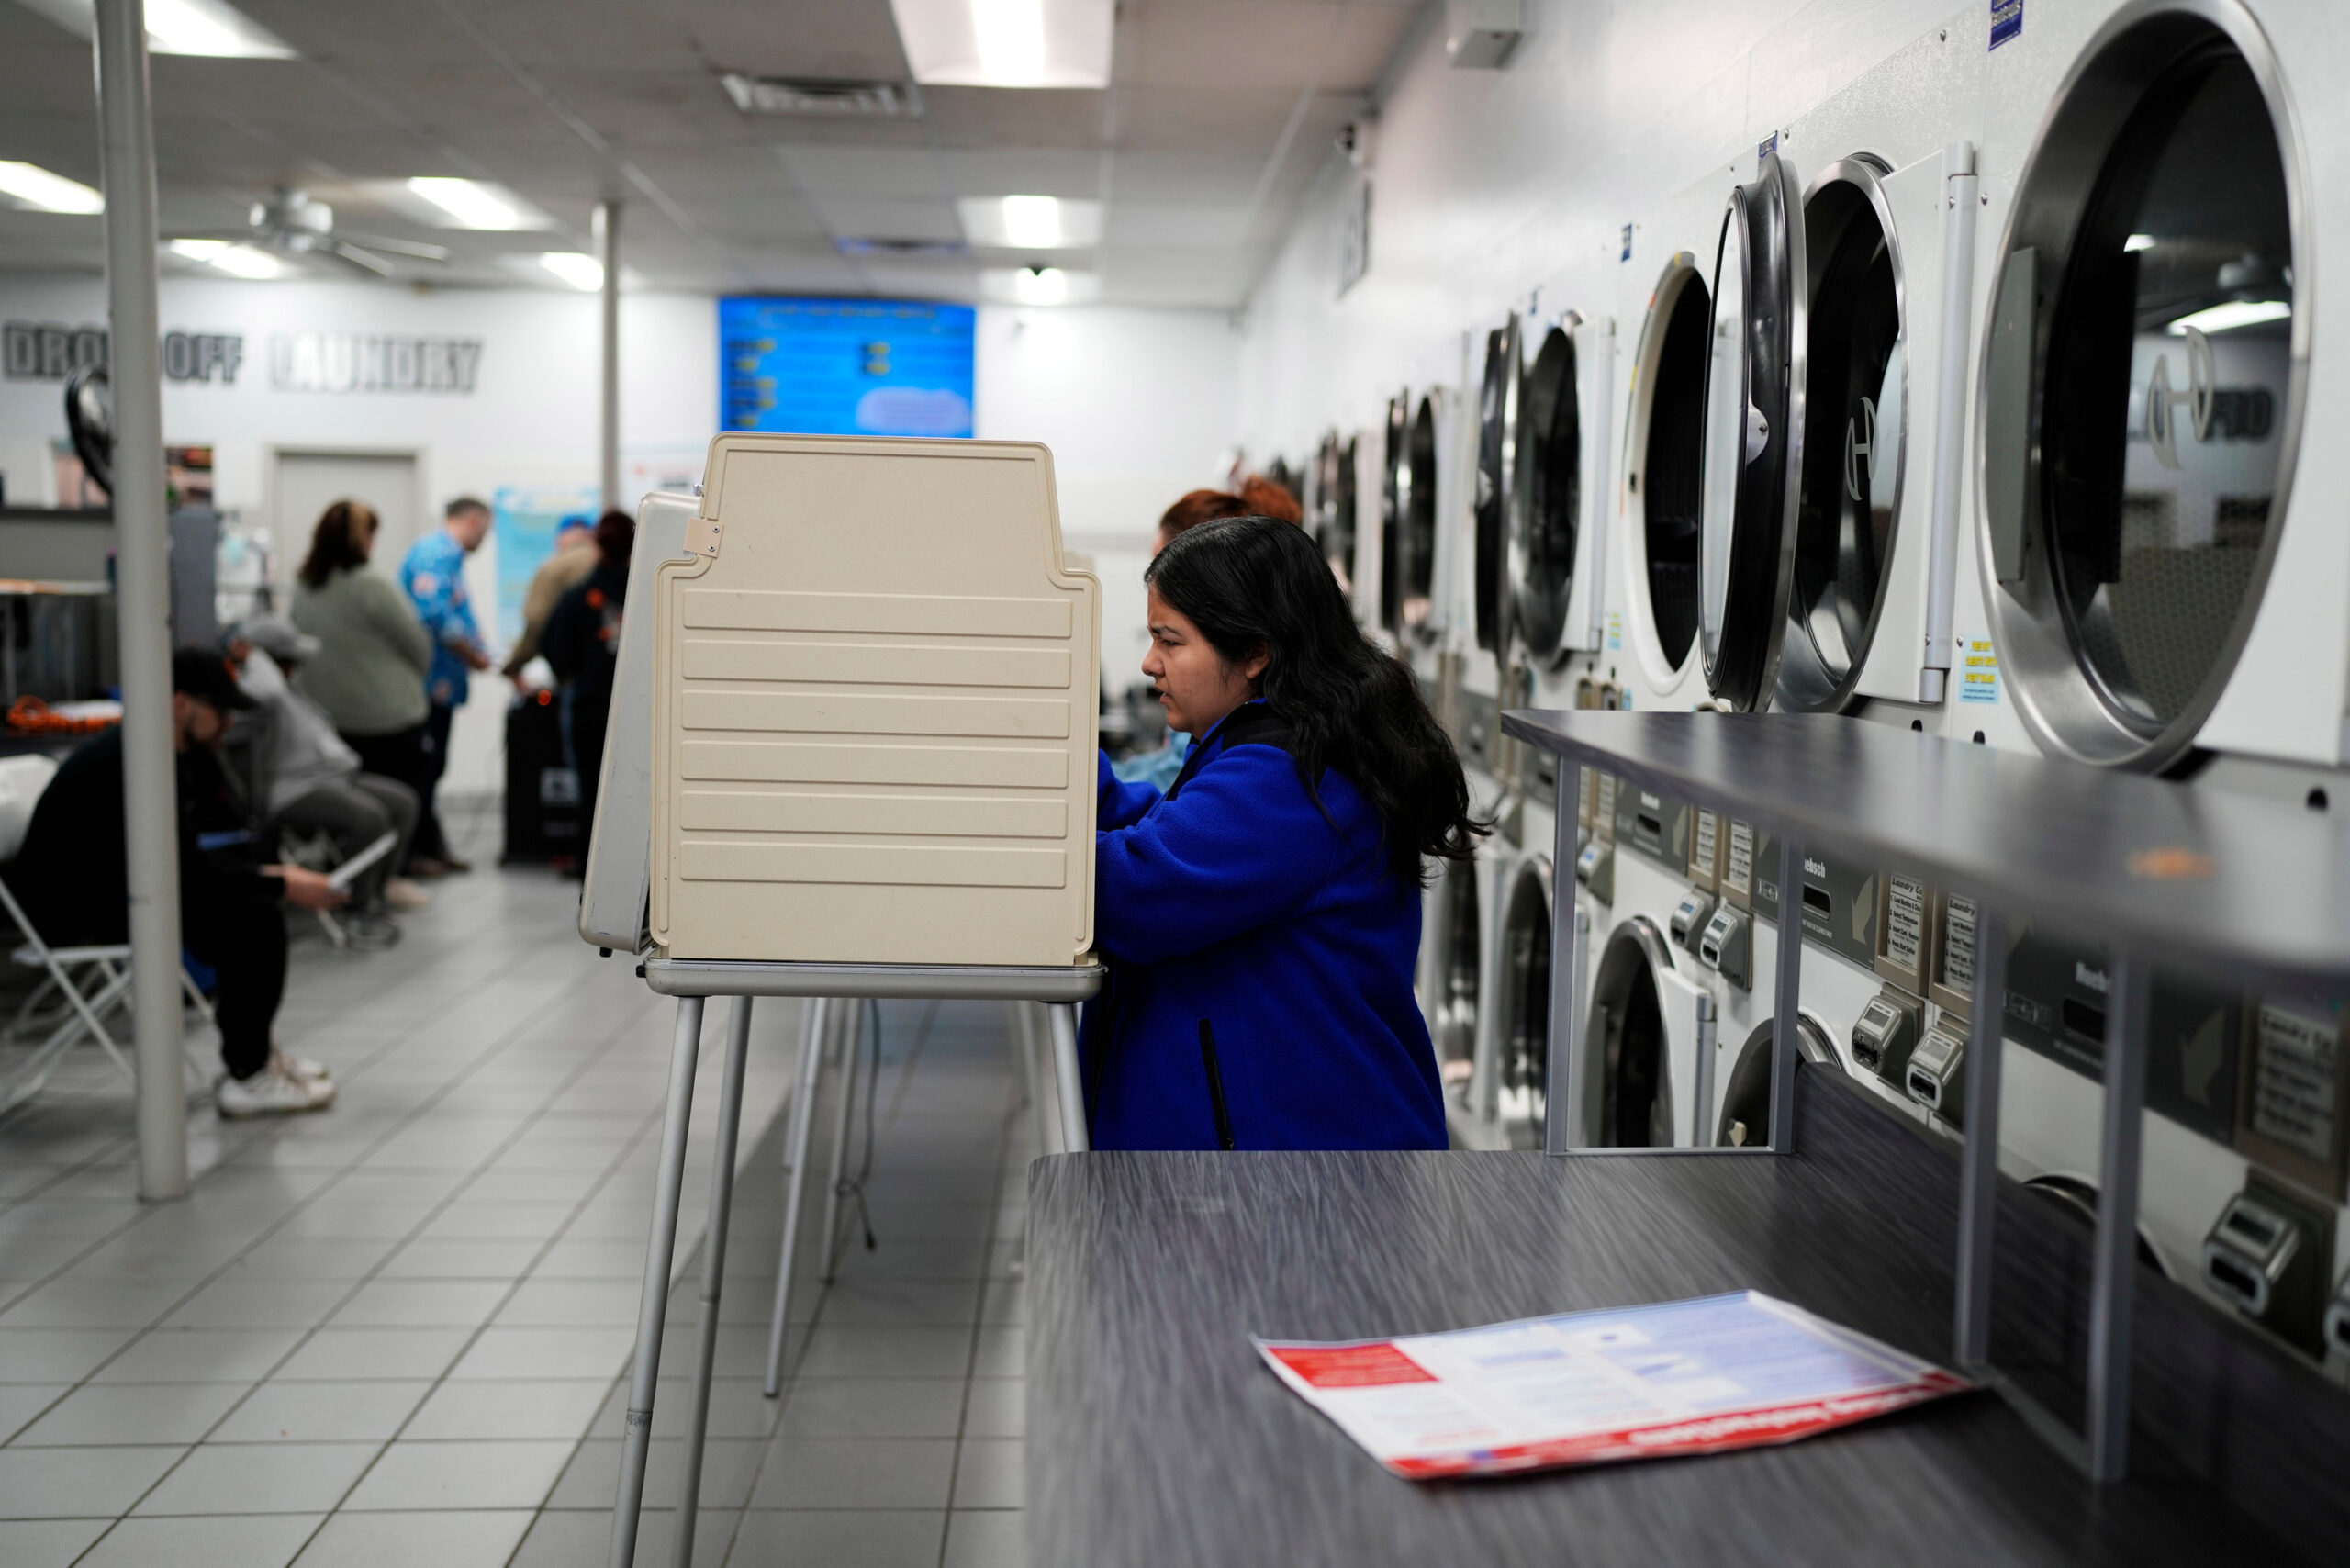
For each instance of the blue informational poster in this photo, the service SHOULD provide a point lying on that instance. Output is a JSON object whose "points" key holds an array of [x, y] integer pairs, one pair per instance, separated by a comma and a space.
{"points": [[845, 366], [523, 522]]}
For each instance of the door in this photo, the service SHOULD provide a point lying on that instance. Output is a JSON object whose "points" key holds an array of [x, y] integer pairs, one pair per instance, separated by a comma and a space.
{"points": [[303, 484]]}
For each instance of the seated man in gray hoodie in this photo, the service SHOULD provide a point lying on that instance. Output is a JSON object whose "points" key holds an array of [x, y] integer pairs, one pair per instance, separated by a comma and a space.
{"points": [[311, 781]]}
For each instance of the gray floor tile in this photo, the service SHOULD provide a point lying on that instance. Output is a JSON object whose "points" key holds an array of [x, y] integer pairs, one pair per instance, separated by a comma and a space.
{"points": [[314, 1258], [990, 1472], [56, 1355], [842, 1537], [592, 1478], [421, 1304], [995, 1538], [567, 1538], [75, 1302], [47, 1543], [237, 1302], [475, 1538], [501, 1352], [260, 1478], [60, 1484], [461, 1475], [260, 1540], [133, 1413], [856, 1473], [997, 1407], [873, 1407], [348, 1354], [1002, 1353], [462, 1260], [200, 1355], [901, 1303], [321, 1411], [884, 1352], [543, 1302], [21, 1402], [498, 1410], [738, 1409]]}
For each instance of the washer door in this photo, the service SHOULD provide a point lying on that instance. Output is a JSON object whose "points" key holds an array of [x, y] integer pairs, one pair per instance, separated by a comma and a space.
{"points": [[1457, 978], [1394, 495], [1628, 1039], [1855, 408], [1745, 1120], [1498, 440], [1525, 1019], [1546, 497], [1665, 454], [1335, 508], [2143, 385], [1415, 547], [1754, 443]]}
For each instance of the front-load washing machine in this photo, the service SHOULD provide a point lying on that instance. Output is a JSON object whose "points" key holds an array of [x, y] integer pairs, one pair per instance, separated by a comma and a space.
{"points": [[1742, 1119], [2160, 569], [1333, 506]]}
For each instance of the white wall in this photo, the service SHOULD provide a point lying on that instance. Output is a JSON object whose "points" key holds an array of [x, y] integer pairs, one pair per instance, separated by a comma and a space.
{"points": [[1138, 406]]}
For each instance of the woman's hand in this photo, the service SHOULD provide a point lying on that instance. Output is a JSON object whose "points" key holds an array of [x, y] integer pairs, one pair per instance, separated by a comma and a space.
{"points": [[310, 889]]}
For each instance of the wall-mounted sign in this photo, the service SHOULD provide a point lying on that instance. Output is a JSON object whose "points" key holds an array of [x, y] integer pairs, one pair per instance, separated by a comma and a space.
{"points": [[845, 367], [46, 351], [370, 362]]}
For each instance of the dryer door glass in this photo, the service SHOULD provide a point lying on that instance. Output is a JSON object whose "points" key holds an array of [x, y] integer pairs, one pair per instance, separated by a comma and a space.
{"points": [[1497, 407], [1456, 1016], [1852, 468], [1753, 407], [2170, 348], [1395, 484], [1525, 1019], [1338, 513], [1417, 544], [1546, 501], [1671, 478]]}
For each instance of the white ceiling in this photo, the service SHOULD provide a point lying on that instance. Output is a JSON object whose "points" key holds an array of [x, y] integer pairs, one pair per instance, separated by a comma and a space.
{"points": [[1218, 114]]}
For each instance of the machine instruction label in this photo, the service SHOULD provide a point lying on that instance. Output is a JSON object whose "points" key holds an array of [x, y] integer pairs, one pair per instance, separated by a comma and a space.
{"points": [[2293, 1066], [1740, 874], [2007, 22], [1958, 944], [1978, 681], [1905, 922]]}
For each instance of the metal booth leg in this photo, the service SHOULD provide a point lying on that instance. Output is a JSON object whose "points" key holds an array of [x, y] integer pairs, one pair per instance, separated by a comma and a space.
{"points": [[645, 1376], [1071, 1082], [714, 1270], [795, 1161], [840, 1135], [1979, 1197], [1023, 1040], [1786, 1020]]}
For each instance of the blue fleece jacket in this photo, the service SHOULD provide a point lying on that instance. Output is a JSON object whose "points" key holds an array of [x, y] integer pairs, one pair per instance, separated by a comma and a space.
{"points": [[1234, 907]]}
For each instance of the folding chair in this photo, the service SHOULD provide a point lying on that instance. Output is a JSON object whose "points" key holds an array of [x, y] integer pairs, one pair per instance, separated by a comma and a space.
{"points": [[80, 986]]}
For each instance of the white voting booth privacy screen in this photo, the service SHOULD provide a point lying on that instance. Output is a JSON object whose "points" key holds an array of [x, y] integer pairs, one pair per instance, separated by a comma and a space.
{"points": [[872, 680]]}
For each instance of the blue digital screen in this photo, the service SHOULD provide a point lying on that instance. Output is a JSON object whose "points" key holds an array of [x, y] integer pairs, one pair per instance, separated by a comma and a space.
{"points": [[845, 366]]}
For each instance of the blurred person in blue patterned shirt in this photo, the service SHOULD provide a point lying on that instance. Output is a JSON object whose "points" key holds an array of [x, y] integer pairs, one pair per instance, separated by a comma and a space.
{"points": [[433, 577]]}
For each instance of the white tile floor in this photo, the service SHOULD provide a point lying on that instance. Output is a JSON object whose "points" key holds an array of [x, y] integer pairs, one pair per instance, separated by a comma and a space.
{"points": [[395, 1333]]}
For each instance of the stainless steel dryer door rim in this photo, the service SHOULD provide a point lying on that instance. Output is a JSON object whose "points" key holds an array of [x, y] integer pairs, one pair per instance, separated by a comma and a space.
{"points": [[1755, 435], [2068, 710]]}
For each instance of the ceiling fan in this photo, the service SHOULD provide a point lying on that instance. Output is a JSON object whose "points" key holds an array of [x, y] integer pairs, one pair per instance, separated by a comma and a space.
{"points": [[292, 223]]}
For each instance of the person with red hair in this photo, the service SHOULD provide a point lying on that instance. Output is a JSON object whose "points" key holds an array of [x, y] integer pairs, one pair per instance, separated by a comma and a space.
{"points": [[1257, 497]]}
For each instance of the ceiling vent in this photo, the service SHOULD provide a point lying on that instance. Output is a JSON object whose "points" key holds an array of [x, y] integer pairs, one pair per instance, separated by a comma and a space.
{"points": [[794, 95], [879, 247]]}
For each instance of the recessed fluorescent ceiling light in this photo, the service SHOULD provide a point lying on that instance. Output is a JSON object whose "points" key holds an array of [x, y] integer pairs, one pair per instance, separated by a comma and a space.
{"points": [[2139, 242], [244, 261], [2235, 313], [181, 27], [578, 268], [475, 204], [1031, 222], [36, 187], [1007, 43]]}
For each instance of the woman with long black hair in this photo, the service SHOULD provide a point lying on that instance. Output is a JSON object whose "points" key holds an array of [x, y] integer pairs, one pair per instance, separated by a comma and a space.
{"points": [[1261, 918]]}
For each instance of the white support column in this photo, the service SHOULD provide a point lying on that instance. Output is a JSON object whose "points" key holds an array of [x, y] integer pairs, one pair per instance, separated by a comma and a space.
{"points": [[607, 441], [142, 574]]}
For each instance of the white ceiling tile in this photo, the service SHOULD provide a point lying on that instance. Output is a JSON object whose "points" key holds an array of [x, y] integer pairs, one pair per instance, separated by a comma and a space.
{"points": [[896, 171]]}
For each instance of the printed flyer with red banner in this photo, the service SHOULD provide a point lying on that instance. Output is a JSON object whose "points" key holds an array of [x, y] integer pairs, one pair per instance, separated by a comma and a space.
{"points": [[1681, 1377]]}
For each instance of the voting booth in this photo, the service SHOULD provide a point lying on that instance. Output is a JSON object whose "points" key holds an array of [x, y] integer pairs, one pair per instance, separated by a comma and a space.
{"points": [[873, 710]]}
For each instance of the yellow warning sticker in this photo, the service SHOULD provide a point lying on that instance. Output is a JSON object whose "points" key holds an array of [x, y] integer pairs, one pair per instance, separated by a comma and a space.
{"points": [[1978, 676]]}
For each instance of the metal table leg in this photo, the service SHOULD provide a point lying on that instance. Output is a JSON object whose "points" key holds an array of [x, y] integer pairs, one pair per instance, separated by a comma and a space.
{"points": [[1023, 1040], [795, 1159], [713, 1271], [645, 1376], [856, 1011], [1071, 1084]]}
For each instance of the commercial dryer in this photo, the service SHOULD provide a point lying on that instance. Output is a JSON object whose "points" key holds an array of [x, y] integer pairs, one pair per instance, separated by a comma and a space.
{"points": [[2161, 565]]}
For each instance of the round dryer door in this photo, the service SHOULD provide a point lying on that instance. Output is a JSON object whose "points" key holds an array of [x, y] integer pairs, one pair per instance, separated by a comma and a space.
{"points": [[1395, 493], [1629, 1068], [1665, 455], [1546, 497], [1746, 1101], [1754, 394], [1525, 1017], [1854, 405], [1335, 508], [1498, 436], [1458, 976], [2143, 385], [1415, 544]]}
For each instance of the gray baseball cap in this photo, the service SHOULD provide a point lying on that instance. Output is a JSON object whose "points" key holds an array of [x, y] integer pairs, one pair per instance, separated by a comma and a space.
{"points": [[277, 637]]}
